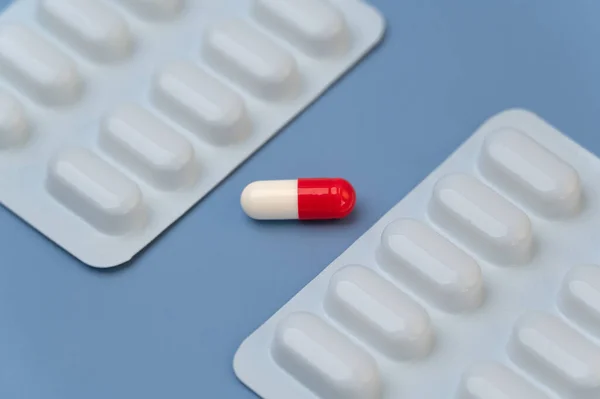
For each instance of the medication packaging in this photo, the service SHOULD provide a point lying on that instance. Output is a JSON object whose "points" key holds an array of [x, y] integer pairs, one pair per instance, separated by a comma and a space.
{"points": [[116, 116], [482, 283]]}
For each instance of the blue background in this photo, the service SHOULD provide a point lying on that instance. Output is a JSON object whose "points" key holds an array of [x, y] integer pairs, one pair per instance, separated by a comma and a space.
{"points": [[167, 325]]}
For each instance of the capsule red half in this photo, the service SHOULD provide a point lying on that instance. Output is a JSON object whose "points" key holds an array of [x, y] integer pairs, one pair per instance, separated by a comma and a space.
{"points": [[305, 199]]}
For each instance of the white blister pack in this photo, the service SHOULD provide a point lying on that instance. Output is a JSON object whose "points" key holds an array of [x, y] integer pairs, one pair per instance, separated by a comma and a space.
{"points": [[480, 284], [116, 116]]}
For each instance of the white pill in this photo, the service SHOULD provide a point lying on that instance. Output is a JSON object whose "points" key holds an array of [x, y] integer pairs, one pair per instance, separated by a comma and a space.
{"points": [[414, 253], [98, 192], [482, 219], [495, 381], [251, 59], [202, 103], [90, 26], [557, 354], [379, 313], [315, 26], [580, 296], [531, 173], [146, 144], [325, 360], [36, 66]]}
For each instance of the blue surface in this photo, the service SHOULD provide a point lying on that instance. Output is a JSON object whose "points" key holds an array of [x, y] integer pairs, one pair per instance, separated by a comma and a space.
{"points": [[167, 325]]}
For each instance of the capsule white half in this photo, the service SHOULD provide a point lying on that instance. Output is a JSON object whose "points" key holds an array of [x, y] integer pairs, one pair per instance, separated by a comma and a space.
{"points": [[482, 219], [379, 313], [38, 67], [496, 381], [145, 143], [271, 200], [324, 360], [90, 26], [531, 173], [96, 191], [560, 356], [315, 26], [580, 296], [432, 266], [14, 126], [251, 59]]}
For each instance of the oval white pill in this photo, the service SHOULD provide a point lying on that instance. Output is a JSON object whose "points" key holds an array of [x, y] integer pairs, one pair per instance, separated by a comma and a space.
{"points": [[36, 66], [325, 360], [315, 26], [202, 103], [558, 354], [251, 59], [482, 219], [493, 380], [534, 175], [379, 313], [96, 191], [91, 27], [413, 252]]}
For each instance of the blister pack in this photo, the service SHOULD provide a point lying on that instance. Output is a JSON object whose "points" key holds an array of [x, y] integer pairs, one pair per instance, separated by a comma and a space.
{"points": [[116, 116], [481, 283]]}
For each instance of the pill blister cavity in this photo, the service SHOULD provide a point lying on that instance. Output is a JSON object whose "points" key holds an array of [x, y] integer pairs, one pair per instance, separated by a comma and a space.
{"points": [[379, 313], [432, 266], [90, 26], [201, 103], [580, 297], [482, 219], [38, 67], [324, 360], [314, 26], [494, 381], [251, 59], [96, 191], [150, 147], [557, 354], [531, 173], [155, 10], [14, 125]]}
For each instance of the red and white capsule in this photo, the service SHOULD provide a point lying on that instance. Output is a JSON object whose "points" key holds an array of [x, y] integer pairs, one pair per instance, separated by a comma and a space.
{"points": [[304, 199]]}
